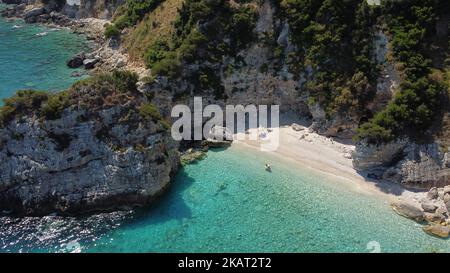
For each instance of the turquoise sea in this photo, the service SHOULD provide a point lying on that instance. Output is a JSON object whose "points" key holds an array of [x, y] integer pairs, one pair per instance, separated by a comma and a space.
{"points": [[224, 203], [227, 202], [34, 57]]}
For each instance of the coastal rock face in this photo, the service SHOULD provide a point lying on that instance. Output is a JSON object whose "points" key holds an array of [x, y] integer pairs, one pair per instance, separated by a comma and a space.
{"points": [[408, 210], [411, 164], [35, 11], [100, 153], [432, 209], [101, 9], [77, 60]]}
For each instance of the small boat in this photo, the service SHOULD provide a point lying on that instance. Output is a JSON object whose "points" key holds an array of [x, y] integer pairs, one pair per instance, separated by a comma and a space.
{"points": [[42, 34], [268, 168]]}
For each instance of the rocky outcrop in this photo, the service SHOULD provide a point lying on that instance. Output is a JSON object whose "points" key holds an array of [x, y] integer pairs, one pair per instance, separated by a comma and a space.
{"points": [[437, 230], [76, 9], [411, 164], [408, 210], [77, 60], [101, 9], [431, 209], [101, 153], [389, 78], [435, 211]]}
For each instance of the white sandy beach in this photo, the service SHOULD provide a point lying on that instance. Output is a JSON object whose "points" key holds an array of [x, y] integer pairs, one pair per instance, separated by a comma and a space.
{"points": [[328, 157]]}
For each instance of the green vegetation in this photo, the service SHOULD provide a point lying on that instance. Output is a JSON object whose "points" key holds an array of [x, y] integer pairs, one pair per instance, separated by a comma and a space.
{"points": [[150, 112], [55, 105], [335, 41], [111, 31], [419, 99], [103, 89], [156, 27], [125, 81], [130, 14], [206, 31], [24, 101], [118, 81]]}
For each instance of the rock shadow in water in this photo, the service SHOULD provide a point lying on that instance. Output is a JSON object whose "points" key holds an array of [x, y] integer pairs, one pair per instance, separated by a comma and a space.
{"points": [[170, 205]]}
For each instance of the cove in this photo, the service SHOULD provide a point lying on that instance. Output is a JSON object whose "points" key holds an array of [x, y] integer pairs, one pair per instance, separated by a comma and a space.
{"points": [[228, 203], [34, 57]]}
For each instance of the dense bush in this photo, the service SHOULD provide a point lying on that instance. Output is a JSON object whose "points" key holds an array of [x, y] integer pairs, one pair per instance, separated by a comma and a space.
{"points": [[200, 32], [150, 112], [169, 66], [24, 101], [418, 101], [125, 81], [111, 31], [102, 87], [55, 105], [156, 52], [130, 14], [335, 40]]}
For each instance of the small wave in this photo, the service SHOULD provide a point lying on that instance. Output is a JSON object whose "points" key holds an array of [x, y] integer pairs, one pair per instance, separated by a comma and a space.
{"points": [[45, 33]]}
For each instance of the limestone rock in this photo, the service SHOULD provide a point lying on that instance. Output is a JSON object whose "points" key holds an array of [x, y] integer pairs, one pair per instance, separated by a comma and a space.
{"points": [[428, 206], [77, 60], [297, 127], [433, 193], [437, 230], [90, 63], [34, 12], [411, 164], [192, 156], [408, 210], [98, 155]]}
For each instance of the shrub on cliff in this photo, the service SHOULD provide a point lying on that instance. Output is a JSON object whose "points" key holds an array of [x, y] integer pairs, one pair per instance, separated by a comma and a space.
{"points": [[24, 101], [169, 66], [125, 81], [418, 102], [205, 32], [55, 105], [111, 31], [335, 41], [155, 53], [150, 112], [133, 11]]}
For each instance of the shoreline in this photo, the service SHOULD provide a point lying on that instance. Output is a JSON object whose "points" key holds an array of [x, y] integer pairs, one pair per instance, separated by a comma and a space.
{"points": [[307, 149], [324, 156], [110, 55]]}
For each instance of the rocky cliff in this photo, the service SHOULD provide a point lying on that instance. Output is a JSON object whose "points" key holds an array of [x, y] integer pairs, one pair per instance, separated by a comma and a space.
{"points": [[101, 9], [98, 146], [414, 165]]}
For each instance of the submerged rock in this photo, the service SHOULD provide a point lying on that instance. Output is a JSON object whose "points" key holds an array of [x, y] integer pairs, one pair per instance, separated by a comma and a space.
{"points": [[437, 230], [191, 156]]}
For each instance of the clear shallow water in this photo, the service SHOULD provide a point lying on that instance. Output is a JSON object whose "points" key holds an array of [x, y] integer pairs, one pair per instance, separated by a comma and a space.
{"points": [[227, 202], [28, 61]]}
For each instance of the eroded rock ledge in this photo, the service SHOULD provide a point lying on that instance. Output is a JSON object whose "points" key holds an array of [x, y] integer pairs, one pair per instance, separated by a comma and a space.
{"points": [[419, 166], [96, 146]]}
